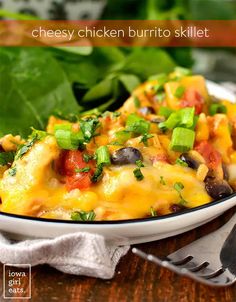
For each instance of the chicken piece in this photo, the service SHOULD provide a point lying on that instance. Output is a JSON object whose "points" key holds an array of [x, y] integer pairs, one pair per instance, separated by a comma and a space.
{"points": [[24, 184]]}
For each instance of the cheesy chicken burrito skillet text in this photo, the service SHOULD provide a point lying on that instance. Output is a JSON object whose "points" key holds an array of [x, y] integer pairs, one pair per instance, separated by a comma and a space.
{"points": [[171, 146]]}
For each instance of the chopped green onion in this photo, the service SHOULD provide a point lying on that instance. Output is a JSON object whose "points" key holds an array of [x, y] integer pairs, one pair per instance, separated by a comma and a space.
{"points": [[161, 80], [82, 170], [162, 181], [23, 149], [160, 96], [172, 121], [139, 163], [179, 92], [182, 139], [217, 108], [12, 171], [153, 212], [136, 102], [165, 111], [116, 114], [186, 117], [138, 174], [103, 156], [6, 158], [87, 157], [122, 136], [83, 216], [62, 127], [137, 124], [68, 140], [89, 127], [97, 174], [180, 162], [178, 186], [181, 71], [145, 138]]}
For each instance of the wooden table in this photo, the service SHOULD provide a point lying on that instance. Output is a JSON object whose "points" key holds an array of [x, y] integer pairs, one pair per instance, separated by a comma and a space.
{"points": [[136, 280]]}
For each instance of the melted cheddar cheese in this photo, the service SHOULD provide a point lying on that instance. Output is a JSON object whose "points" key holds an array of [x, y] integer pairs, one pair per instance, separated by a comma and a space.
{"points": [[33, 184]]}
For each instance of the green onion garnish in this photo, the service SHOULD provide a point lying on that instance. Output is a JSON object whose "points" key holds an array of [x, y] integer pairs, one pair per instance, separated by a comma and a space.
{"points": [[182, 139], [87, 157], [103, 159], [217, 108], [187, 117], [184, 118], [12, 171], [178, 186], [153, 212], [103, 156], [145, 138], [162, 181], [136, 102], [137, 124], [165, 111], [139, 163], [68, 140], [62, 127], [122, 136], [97, 174], [180, 162], [89, 127], [85, 170], [172, 121], [179, 92], [138, 174], [181, 71], [83, 216]]}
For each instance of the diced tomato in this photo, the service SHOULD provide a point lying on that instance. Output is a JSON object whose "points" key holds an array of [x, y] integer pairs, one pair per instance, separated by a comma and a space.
{"points": [[78, 181], [211, 156], [73, 160], [68, 164], [192, 98]]}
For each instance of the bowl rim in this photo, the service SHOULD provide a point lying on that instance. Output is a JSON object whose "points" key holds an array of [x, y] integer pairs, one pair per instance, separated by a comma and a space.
{"points": [[121, 221]]}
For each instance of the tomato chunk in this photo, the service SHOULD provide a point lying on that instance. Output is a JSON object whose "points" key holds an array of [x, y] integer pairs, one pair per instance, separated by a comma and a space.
{"points": [[192, 98], [211, 156], [68, 165]]}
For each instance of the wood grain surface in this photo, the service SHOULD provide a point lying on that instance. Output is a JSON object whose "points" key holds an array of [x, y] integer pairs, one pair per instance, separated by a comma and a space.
{"points": [[135, 280]]}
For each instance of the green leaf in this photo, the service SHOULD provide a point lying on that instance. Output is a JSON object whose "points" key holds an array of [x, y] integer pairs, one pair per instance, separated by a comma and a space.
{"points": [[32, 88], [101, 90], [147, 62], [130, 81], [84, 51]]}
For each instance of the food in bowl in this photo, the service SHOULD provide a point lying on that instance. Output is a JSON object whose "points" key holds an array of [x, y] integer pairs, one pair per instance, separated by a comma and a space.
{"points": [[171, 146]]}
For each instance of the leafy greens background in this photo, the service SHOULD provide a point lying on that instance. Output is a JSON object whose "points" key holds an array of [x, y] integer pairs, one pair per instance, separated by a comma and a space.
{"points": [[38, 82]]}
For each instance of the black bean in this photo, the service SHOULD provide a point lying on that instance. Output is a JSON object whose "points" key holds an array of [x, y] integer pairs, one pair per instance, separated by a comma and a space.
{"points": [[147, 110], [225, 172], [190, 161], [158, 120], [125, 156], [217, 188], [177, 208]]}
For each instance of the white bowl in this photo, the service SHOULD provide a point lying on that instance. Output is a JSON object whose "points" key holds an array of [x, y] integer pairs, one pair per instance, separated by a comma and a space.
{"points": [[126, 231]]}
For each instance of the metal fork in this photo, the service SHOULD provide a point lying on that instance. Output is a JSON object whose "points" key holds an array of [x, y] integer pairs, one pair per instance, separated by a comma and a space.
{"points": [[210, 260]]}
